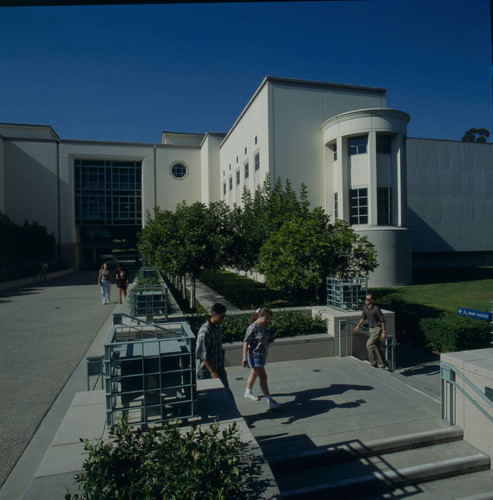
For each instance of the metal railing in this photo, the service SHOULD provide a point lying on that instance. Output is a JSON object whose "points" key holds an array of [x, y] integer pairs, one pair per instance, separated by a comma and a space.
{"points": [[346, 329], [149, 372], [348, 295], [448, 375]]}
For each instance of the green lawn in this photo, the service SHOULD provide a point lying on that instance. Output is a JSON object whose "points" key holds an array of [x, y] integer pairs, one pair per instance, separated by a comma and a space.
{"points": [[245, 293], [447, 289]]}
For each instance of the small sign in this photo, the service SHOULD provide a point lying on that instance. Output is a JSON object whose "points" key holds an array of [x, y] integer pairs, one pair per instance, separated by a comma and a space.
{"points": [[461, 311]]}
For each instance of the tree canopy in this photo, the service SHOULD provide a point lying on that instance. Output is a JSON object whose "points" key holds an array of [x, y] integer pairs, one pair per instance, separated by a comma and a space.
{"points": [[273, 232], [476, 135]]}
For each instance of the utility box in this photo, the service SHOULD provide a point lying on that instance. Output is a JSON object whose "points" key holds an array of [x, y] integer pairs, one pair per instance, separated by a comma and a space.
{"points": [[149, 373], [348, 295]]}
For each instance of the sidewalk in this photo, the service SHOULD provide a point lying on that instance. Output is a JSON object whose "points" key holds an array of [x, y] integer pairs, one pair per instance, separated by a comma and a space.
{"points": [[325, 401]]}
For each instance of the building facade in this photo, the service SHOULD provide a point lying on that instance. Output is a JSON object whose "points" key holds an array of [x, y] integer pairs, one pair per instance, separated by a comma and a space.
{"points": [[421, 202]]}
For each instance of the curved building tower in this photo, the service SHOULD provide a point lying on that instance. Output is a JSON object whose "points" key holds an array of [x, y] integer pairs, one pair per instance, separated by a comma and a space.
{"points": [[365, 167]]}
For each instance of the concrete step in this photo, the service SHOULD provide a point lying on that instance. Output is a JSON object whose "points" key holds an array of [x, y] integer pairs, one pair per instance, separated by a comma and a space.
{"points": [[473, 486], [382, 471], [353, 450]]}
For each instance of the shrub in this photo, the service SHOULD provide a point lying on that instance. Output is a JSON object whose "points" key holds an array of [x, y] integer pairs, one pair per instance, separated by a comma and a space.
{"points": [[455, 333], [202, 463], [288, 324]]}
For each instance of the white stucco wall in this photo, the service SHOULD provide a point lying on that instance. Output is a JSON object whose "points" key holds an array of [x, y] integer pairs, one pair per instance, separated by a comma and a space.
{"points": [[171, 191], [450, 195], [210, 168], [31, 182], [250, 133], [297, 112]]}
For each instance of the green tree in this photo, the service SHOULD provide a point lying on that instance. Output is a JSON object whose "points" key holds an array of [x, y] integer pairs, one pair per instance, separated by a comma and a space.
{"points": [[476, 135], [305, 250], [187, 240]]}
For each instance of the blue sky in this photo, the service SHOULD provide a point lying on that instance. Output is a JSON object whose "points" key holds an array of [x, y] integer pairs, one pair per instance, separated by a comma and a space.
{"points": [[126, 73]]}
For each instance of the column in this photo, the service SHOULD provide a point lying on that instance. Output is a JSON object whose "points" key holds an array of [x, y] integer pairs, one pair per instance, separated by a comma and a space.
{"points": [[372, 179]]}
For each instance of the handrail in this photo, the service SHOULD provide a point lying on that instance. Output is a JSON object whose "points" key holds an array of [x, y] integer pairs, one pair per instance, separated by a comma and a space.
{"points": [[389, 340], [451, 380]]}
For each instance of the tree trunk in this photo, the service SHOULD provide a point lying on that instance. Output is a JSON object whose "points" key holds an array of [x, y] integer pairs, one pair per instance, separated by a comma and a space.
{"points": [[184, 286], [192, 292]]}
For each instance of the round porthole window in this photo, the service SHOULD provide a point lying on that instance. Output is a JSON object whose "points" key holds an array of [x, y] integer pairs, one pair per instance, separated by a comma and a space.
{"points": [[179, 170]]}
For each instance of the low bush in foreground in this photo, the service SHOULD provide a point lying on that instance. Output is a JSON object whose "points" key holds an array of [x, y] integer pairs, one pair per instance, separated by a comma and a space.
{"points": [[202, 463]]}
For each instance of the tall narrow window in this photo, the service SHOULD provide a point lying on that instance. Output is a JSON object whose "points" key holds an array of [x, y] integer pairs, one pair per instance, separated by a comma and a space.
{"points": [[237, 177], [357, 145], [358, 200], [383, 144], [230, 183], [246, 171], [224, 188], [384, 208], [334, 149], [336, 205], [257, 161]]}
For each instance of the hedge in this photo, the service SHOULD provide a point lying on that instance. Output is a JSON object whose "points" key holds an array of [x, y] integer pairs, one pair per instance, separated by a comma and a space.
{"points": [[450, 333], [287, 324]]}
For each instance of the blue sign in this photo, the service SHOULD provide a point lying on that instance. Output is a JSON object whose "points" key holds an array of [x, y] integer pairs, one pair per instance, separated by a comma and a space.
{"points": [[461, 311]]}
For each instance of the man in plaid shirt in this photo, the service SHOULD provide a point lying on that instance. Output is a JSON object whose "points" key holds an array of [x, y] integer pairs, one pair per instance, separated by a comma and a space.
{"points": [[209, 351]]}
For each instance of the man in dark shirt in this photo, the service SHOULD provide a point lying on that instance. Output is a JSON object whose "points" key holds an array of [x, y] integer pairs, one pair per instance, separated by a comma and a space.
{"points": [[209, 351], [376, 322]]}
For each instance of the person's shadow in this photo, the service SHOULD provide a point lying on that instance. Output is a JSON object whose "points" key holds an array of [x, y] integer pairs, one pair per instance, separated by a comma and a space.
{"points": [[310, 403]]}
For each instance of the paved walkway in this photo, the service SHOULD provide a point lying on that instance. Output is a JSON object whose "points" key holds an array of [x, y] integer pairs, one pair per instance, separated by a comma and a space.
{"points": [[46, 328], [324, 400]]}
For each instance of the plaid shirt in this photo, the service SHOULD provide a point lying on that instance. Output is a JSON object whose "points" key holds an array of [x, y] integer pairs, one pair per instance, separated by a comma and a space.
{"points": [[210, 347]]}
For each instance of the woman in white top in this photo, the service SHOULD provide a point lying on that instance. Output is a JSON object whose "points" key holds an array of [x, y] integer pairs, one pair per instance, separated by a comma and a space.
{"points": [[104, 281]]}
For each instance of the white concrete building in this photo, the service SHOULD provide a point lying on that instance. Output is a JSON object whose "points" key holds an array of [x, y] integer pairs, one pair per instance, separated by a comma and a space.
{"points": [[421, 202]]}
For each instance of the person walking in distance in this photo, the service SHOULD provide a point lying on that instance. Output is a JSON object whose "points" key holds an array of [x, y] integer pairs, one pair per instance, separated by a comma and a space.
{"points": [[104, 281], [209, 351], [121, 276], [376, 322], [255, 349]]}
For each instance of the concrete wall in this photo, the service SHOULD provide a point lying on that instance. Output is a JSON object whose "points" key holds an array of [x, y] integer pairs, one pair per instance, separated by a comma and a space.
{"points": [[450, 196], [477, 367], [2, 176]]}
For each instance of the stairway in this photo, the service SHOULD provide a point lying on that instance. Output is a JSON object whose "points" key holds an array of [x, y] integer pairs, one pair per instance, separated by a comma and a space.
{"points": [[407, 465]]}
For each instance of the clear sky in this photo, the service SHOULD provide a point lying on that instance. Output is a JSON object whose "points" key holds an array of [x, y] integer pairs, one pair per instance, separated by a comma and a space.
{"points": [[128, 72]]}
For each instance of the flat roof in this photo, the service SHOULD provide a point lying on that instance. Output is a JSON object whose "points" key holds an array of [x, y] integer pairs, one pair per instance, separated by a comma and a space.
{"points": [[305, 83]]}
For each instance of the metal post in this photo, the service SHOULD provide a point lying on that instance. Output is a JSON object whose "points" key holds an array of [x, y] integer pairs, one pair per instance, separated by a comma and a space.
{"points": [[491, 322]]}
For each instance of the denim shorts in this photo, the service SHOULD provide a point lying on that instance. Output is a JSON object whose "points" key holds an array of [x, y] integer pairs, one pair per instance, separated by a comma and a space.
{"points": [[255, 362]]}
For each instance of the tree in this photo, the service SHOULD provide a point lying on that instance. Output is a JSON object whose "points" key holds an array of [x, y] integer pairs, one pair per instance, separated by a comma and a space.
{"points": [[187, 240], [305, 250], [476, 135]]}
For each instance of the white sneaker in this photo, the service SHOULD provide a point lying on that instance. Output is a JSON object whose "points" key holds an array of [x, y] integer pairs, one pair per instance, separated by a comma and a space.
{"points": [[251, 395], [273, 404]]}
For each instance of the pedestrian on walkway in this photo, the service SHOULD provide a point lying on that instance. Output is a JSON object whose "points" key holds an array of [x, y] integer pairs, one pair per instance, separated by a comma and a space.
{"points": [[376, 322], [209, 351], [255, 350], [43, 267], [104, 281], [121, 277]]}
